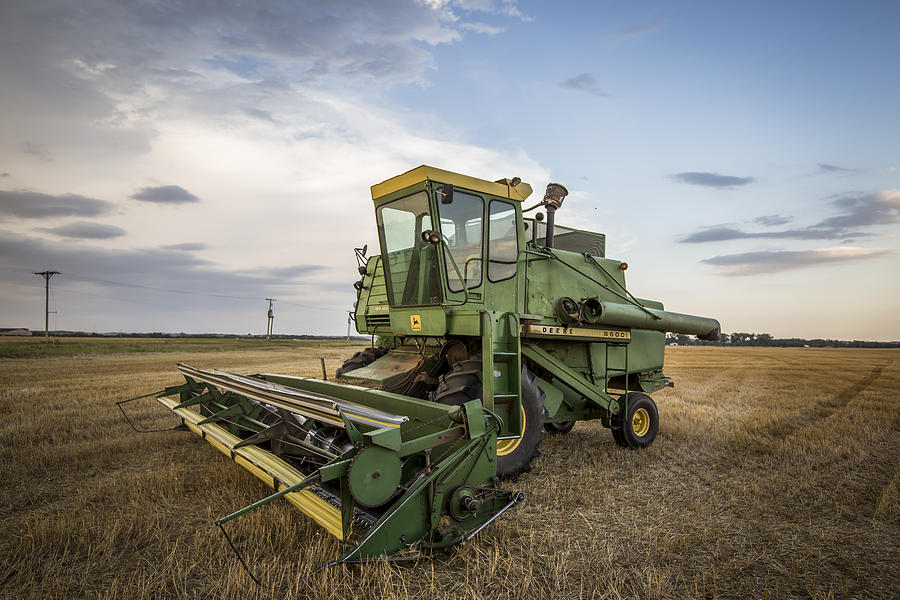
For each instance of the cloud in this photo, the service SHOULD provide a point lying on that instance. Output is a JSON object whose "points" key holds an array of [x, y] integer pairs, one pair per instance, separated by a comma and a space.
{"points": [[149, 267], [585, 82], [826, 168], [639, 30], [35, 205], [713, 180], [482, 28], [262, 115], [502, 7], [186, 246], [165, 194], [296, 271], [85, 230], [286, 104], [758, 263], [37, 150], [179, 284], [772, 220], [100, 78], [717, 233], [879, 208], [723, 233]]}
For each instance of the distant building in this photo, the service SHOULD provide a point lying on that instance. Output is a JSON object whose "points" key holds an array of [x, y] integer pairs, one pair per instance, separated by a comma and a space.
{"points": [[14, 331]]}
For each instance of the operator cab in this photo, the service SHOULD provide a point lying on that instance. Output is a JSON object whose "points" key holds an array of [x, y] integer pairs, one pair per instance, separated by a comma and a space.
{"points": [[437, 231]]}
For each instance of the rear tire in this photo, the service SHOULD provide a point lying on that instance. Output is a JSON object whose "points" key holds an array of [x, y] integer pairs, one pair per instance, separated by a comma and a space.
{"points": [[463, 383], [361, 359], [641, 423]]}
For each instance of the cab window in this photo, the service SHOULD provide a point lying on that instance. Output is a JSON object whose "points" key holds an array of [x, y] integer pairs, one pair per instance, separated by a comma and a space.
{"points": [[503, 241]]}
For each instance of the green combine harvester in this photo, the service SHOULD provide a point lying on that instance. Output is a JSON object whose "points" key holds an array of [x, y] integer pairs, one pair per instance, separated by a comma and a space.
{"points": [[502, 328]]}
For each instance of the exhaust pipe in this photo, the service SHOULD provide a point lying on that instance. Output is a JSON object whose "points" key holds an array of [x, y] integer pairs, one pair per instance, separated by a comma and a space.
{"points": [[553, 199]]}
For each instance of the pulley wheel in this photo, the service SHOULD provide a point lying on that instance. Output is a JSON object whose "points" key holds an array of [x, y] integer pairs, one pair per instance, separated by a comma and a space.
{"points": [[374, 476]]}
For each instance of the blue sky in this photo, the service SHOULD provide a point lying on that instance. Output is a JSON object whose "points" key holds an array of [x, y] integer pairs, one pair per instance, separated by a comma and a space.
{"points": [[181, 162]]}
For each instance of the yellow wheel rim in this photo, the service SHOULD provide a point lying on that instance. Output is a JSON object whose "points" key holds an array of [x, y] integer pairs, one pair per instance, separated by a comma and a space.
{"points": [[640, 422], [505, 447]]}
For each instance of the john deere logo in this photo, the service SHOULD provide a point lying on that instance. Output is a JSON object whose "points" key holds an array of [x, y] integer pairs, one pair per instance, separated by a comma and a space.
{"points": [[415, 322]]}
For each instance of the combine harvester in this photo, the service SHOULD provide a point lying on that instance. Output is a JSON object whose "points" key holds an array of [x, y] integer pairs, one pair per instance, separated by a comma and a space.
{"points": [[505, 327]]}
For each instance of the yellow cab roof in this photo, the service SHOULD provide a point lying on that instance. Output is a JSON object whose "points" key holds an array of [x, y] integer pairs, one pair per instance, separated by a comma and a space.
{"points": [[502, 188]]}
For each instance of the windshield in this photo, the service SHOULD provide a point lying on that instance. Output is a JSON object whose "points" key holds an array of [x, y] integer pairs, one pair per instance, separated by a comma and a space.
{"points": [[461, 226], [410, 264]]}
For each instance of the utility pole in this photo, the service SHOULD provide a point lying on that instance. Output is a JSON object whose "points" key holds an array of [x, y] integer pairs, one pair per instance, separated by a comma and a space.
{"points": [[47, 275], [270, 324], [349, 314]]}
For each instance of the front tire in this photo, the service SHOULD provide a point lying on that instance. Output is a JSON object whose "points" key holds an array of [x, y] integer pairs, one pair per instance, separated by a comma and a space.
{"points": [[640, 425], [361, 359], [514, 456]]}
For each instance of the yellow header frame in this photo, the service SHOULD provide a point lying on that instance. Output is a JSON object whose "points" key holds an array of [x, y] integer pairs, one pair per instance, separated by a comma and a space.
{"points": [[502, 188]]}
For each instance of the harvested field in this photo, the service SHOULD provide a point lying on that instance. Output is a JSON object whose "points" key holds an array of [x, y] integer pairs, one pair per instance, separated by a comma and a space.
{"points": [[776, 474]]}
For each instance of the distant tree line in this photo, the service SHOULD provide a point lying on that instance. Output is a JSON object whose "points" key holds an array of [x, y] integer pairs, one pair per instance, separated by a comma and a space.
{"points": [[217, 336], [672, 339], [765, 339]]}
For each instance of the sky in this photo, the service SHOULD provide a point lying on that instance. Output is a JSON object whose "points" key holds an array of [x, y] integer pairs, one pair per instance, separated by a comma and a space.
{"points": [[180, 162]]}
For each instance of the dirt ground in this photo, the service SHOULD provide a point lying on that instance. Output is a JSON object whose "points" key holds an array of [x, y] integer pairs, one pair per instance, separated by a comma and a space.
{"points": [[775, 475]]}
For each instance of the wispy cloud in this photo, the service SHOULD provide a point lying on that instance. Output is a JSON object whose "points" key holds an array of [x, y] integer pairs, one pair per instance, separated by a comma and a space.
{"points": [[482, 28], [509, 8], [713, 180], [826, 168], [35, 205], [725, 233], [757, 263], [186, 246], [37, 150], [296, 271], [85, 230], [165, 194], [262, 115], [772, 220], [880, 208], [154, 267], [639, 29], [584, 82]]}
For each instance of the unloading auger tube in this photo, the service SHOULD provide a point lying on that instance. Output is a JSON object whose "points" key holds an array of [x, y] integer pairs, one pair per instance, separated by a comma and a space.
{"points": [[641, 317], [382, 471]]}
